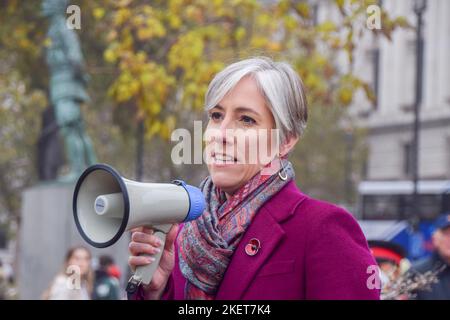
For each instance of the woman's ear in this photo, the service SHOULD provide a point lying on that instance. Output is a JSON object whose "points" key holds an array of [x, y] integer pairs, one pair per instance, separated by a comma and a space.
{"points": [[288, 145]]}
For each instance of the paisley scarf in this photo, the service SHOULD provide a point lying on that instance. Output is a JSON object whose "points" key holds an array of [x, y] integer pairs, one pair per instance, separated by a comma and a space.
{"points": [[207, 244]]}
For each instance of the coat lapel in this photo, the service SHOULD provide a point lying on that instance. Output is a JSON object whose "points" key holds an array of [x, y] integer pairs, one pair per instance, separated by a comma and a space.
{"points": [[266, 228], [242, 267]]}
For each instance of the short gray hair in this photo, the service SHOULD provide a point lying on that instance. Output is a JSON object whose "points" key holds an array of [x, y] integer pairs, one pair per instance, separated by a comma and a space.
{"points": [[280, 85]]}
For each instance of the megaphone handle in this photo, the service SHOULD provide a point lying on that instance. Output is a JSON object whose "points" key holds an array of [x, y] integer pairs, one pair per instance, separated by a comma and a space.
{"points": [[145, 273]]}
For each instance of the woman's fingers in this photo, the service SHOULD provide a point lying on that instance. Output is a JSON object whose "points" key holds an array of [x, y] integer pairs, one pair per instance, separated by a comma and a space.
{"points": [[137, 248], [138, 229], [136, 261], [148, 230], [146, 238], [143, 243], [142, 229]]}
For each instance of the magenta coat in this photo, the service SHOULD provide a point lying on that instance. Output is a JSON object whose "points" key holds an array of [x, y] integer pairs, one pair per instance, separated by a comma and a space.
{"points": [[309, 249]]}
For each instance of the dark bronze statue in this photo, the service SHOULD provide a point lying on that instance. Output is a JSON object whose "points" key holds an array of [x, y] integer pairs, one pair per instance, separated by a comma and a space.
{"points": [[67, 88]]}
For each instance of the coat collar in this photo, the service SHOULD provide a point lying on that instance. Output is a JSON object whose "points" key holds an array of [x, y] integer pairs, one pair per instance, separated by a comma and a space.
{"points": [[267, 229], [283, 204]]}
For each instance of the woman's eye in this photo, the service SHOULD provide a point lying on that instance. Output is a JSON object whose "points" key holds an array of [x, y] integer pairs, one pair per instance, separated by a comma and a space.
{"points": [[247, 120], [215, 115]]}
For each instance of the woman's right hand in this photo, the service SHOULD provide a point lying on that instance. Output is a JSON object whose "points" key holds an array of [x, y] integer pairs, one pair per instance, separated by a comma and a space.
{"points": [[143, 241]]}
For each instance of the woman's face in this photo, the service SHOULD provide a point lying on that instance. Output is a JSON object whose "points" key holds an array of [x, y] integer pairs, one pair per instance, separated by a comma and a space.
{"points": [[82, 259], [241, 113]]}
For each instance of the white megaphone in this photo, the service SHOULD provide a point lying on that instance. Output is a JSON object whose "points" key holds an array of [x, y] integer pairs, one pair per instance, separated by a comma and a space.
{"points": [[105, 205]]}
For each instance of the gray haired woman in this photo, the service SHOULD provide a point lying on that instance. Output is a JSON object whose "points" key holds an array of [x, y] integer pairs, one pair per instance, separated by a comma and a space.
{"points": [[259, 237]]}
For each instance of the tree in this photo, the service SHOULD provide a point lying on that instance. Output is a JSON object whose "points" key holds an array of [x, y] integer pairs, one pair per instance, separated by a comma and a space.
{"points": [[166, 52], [151, 61], [20, 109]]}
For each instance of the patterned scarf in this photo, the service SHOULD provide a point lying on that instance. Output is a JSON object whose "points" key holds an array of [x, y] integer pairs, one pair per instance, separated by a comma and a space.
{"points": [[207, 244]]}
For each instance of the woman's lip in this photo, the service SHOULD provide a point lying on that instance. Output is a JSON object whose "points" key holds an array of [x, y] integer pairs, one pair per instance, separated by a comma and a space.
{"points": [[224, 157], [223, 163]]}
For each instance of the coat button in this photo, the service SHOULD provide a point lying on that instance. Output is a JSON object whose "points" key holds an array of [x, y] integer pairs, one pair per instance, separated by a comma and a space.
{"points": [[252, 247]]}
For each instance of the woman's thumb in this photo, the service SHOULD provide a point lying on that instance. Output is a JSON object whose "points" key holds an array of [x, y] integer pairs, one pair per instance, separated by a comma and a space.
{"points": [[171, 236]]}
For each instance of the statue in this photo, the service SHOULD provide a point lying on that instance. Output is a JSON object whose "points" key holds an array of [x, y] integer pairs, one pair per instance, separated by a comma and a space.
{"points": [[50, 157], [67, 88]]}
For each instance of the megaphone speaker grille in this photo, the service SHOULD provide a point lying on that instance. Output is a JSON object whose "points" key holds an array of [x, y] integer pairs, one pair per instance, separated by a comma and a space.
{"points": [[100, 230]]}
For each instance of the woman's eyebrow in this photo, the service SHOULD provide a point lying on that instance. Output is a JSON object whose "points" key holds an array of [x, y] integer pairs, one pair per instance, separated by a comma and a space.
{"points": [[211, 110], [239, 109], [218, 106], [245, 109]]}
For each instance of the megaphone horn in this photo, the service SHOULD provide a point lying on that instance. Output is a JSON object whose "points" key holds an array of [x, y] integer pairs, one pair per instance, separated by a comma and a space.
{"points": [[105, 205]]}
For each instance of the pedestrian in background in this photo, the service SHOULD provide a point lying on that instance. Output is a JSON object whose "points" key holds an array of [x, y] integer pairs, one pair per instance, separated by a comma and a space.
{"points": [[106, 283], [439, 262], [74, 281], [3, 283], [393, 263]]}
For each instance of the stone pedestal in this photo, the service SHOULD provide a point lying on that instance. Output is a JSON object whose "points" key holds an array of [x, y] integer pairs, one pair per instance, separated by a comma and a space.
{"points": [[47, 231]]}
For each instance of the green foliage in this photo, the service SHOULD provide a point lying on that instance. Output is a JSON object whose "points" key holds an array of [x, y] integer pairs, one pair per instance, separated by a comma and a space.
{"points": [[20, 109]]}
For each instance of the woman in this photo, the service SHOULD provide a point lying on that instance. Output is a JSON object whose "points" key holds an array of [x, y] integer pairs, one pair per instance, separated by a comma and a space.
{"points": [[259, 236], [74, 281]]}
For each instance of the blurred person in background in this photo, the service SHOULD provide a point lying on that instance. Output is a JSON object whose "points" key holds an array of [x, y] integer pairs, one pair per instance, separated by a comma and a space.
{"points": [[438, 262], [106, 283], [390, 258], [393, 264], [3, 283], [75, 280], [8, 290]]}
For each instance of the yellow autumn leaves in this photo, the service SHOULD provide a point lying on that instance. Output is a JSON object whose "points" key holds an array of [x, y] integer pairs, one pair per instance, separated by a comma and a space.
{"points": [[166, 52]]}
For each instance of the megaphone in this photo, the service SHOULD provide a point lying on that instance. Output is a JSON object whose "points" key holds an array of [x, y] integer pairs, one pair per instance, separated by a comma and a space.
{"points": [[105, 205]]}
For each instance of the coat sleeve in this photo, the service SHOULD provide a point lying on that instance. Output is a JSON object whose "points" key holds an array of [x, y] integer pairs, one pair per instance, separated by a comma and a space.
{"points": [[169, 291], [339, 264]]}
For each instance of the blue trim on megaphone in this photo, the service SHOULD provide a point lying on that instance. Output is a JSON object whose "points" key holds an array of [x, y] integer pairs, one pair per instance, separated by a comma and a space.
{"points": [[196, 200]]}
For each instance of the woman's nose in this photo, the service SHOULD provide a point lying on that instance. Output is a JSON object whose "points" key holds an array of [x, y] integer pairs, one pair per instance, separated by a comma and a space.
{"points": [[226, 131]]}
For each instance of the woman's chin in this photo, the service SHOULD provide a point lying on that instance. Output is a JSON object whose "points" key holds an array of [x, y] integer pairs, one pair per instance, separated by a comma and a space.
{"points": [[231, 178], [223, 181]]}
